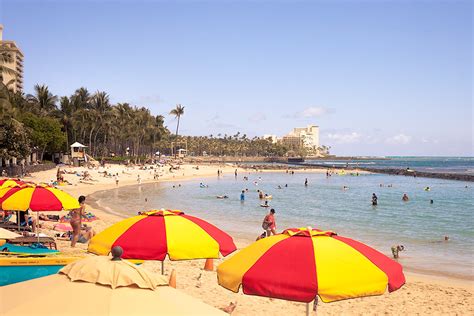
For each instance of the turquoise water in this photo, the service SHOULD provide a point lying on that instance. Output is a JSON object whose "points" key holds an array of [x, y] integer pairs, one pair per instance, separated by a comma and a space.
{"points": [[417, 224], [464, 165]]}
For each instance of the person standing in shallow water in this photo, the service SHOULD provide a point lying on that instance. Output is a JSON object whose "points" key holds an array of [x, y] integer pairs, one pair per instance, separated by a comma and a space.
{"points": [[306, 182], [374, 199], [242, 196]]}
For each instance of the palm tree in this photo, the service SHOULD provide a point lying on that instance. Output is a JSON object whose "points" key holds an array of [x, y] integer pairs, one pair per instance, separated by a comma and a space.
{"points": [[5, 59], [177, 112], [43, 99]]}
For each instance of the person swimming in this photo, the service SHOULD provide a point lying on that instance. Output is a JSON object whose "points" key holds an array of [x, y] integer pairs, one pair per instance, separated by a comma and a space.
{"points": [[222, 197], [265, 204], [405, 197], [427, 189]]}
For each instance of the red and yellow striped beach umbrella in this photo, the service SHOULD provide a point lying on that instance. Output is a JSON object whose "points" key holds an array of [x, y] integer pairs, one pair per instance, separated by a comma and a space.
{"points": [[10, 182], [300, 264], [154, 234], [36, 198]]}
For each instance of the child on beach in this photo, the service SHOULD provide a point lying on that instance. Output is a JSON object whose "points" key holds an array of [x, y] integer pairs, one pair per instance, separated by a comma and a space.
{"points": [[396, 249]]}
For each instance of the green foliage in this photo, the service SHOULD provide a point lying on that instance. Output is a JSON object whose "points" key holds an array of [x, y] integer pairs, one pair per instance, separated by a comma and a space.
{"points": [[44, 132], [14, 140], [235, 145]]}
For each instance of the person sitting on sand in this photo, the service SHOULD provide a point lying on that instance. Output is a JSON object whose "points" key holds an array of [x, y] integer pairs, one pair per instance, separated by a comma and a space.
{"points": [[269, 224], [405, 197], [26, 221], [396, 249], [85, 235]]}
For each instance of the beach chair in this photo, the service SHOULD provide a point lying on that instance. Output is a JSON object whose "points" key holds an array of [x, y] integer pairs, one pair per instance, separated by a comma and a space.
{"points": [[26, 241], [14, 227]]}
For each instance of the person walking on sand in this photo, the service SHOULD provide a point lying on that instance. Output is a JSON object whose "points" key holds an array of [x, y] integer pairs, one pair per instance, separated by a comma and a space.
{"points": [[76, 220], [139, 180], [269, 224]]}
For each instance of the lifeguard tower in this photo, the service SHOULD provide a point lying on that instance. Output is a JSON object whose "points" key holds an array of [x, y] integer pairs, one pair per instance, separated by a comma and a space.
{"points": [[78, 153]]}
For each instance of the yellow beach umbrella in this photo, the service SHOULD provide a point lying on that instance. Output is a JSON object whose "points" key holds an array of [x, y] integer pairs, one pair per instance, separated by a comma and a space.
{"points": [[155, 234], [11, 182], [36, 198], [303, 263], [100, 286]]}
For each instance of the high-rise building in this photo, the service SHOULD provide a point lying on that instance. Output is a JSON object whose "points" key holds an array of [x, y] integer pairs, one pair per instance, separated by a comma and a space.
{"points": [[307, 137], [11, 64]]}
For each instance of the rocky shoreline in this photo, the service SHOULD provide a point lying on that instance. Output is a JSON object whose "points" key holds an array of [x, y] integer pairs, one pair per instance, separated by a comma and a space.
{"points": [[402, 172]]}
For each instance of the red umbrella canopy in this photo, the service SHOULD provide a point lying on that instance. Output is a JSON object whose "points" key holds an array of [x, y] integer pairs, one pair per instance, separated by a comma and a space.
{"points": [[299, 264], [37, 198], [153, 235]]}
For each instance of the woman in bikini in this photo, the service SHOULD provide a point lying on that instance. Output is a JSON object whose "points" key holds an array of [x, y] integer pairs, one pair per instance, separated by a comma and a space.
{"points": [[76, 220]]}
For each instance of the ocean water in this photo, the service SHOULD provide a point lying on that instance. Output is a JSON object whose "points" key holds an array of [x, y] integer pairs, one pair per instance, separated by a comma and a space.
{"points": [[417, 224], [463, 165]]}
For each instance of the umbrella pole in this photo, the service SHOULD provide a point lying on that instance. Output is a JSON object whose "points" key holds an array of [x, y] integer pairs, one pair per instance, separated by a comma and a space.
{"points": [[163, 267], [307, 309], [18, 220], [37, 223]]}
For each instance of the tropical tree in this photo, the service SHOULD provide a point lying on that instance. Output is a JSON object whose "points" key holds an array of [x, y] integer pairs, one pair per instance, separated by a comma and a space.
{"points": [[44, 132], [43, 99], [178, 111], [6, 58], [14, 141]]}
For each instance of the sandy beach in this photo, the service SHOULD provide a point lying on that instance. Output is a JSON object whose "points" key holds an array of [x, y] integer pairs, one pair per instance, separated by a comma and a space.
{"points": [[421, 294]]}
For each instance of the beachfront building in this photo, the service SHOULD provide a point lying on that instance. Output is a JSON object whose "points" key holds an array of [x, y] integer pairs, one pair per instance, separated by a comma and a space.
{"points": [[11, 64], [307, 137]]}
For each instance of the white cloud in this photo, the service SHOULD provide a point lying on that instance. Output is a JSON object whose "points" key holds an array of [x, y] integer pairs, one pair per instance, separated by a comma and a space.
{"points": [[348, 138], [314, 112], [400, 139]]}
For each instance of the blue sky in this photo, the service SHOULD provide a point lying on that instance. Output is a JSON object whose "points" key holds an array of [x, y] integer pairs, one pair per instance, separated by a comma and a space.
{"points": [[378, 77]]}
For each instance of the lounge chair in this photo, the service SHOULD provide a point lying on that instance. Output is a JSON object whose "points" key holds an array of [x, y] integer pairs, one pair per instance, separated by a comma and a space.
{"points": [[22, 241]]}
